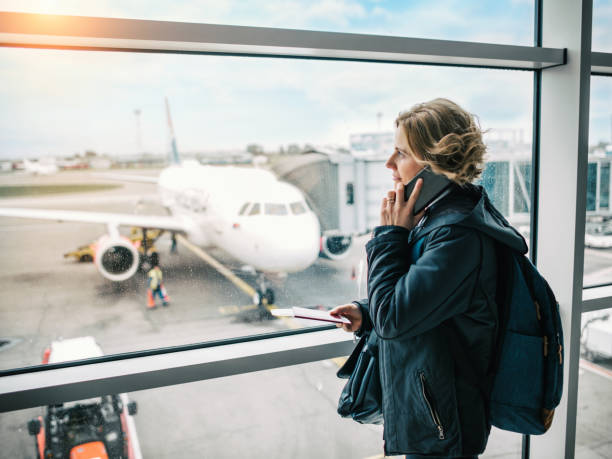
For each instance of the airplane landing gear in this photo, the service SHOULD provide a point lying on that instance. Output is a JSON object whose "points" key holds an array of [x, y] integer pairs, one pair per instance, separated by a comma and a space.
{"points": [[264, 294], [260, 296]]}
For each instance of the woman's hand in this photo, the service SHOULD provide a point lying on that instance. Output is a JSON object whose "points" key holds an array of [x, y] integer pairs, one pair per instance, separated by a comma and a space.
{"points": [[396, 211], [352, 313]]}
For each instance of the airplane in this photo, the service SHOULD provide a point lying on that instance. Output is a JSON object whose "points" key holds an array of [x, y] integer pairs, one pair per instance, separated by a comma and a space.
{"points": [[40, 167], [260, 221]]}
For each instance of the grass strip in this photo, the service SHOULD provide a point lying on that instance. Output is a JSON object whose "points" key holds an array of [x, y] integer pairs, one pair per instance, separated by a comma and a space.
{"points": [[41, 190]]}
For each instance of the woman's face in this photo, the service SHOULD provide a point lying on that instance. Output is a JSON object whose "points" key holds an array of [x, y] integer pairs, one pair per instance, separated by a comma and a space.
{"points": [[402, 161]]}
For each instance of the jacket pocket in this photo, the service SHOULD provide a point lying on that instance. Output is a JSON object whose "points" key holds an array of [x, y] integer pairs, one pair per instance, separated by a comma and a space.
{"points": [[430, 405]]}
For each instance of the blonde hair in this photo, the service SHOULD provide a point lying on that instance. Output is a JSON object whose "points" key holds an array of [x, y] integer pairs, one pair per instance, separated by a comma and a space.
{"points": [[445, 137]]}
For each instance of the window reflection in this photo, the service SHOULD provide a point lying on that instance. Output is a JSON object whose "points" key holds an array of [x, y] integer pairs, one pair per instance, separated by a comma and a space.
{"points": [[244, 211]]}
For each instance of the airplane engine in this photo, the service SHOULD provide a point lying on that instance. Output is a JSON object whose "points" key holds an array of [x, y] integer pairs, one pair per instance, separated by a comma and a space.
{"points": [[116, 258], [336, 246]]}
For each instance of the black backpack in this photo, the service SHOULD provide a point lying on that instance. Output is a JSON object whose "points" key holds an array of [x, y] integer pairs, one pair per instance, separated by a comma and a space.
{"points": [[526, 378], [525, 381]]}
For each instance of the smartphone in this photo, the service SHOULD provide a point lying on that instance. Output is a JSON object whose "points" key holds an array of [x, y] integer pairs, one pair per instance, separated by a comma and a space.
{"points": [[433, 186]]}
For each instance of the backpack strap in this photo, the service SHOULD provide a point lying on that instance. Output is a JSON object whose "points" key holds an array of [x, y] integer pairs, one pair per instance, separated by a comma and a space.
{"points": [[457, 347], [503, 293]]}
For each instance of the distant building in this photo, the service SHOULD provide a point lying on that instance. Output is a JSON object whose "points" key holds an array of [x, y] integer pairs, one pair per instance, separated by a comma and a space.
{"points": [[225, 157], [372, 144]]}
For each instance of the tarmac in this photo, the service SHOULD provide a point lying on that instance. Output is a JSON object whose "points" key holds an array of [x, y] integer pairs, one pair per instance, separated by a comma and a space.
{"points": [[286, 412]]}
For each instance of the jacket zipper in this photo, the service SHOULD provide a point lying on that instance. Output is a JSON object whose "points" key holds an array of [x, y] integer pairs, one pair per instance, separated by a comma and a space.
{"points": [[434, 414]]}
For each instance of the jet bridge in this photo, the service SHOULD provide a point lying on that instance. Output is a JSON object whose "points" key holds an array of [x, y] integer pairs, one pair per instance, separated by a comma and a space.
{"points": [[343, 190]]}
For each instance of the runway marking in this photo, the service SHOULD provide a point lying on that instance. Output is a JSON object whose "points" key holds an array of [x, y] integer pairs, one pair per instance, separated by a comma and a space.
{"points": [[594, 368]]}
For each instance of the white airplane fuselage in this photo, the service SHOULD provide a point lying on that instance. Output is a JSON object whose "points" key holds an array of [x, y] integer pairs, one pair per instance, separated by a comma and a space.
{"points": [[260, 221]]}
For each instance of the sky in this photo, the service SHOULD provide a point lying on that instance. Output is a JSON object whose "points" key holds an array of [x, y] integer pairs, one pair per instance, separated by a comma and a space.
{"points": [[64, 102]]}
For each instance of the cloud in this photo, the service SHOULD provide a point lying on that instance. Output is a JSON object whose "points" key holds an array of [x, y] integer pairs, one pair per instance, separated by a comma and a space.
{"points": [[602, 26], [87, 99]]}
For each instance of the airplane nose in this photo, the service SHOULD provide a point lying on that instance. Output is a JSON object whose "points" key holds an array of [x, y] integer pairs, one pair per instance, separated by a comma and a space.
{"points": [[296, 244]]}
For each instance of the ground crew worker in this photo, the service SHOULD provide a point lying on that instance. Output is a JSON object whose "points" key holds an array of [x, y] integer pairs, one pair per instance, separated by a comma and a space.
{"points": [[156, 285]]}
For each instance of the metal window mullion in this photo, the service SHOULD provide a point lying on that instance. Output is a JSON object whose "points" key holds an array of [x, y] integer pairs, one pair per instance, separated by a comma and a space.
{"points": [[601, 64], [597, 298], [26, 390], [563, 178], [112, 34]]}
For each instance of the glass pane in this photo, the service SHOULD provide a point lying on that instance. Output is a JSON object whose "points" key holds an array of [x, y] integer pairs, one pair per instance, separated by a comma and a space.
{"points": [[98, 141], [275, 209], [595, 386], [255, 210], [591, 187], [243, 208], [495, 179], [598, 230], [504, 21], [286, 412], [297, 208], [522, 187], [604, 186], [602, 26], [101, 427]]}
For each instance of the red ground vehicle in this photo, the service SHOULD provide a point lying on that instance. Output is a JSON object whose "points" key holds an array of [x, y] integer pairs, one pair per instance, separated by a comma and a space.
{"points": [[100, 427]]}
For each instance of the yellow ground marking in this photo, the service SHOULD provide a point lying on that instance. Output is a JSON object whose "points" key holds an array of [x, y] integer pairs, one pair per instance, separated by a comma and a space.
{"points": [[242, 285], [233, 309], [229, 275]]}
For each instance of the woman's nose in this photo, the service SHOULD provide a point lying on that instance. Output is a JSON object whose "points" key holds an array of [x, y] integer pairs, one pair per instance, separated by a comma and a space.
{"points": [[390, 164]]}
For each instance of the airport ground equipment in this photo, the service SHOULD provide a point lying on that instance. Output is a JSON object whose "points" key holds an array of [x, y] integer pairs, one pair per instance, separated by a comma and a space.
{"points": [[100, 427]]}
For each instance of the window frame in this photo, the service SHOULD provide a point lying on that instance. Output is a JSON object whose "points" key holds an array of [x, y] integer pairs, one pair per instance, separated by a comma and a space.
{"points": [[552, 70]]}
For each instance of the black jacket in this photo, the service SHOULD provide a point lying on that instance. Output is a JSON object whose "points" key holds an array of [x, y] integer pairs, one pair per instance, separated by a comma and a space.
{"points": [[436, 315]]}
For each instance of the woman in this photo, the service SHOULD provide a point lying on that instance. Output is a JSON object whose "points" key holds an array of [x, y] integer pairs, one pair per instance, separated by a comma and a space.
{"points": [[434, 310]]}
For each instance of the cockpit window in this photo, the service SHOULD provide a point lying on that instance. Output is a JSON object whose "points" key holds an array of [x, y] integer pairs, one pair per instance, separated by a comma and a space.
{"points": [[297, 208], [255, 210], [275, 209], [244, 208]]}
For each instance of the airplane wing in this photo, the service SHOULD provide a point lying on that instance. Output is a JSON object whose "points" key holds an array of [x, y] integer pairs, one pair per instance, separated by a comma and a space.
{"points": [[164, 222]]}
